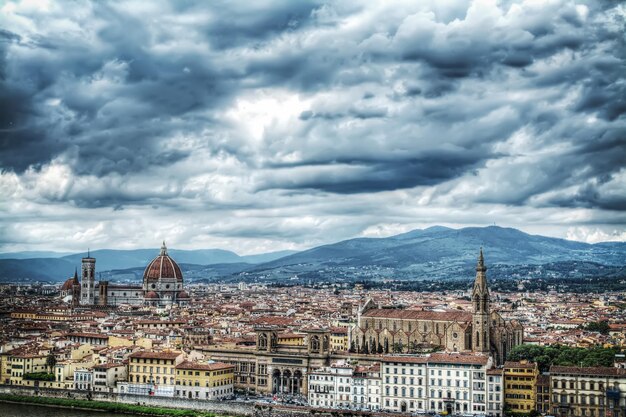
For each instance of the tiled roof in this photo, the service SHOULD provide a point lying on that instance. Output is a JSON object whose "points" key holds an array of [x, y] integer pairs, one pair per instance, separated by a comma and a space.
{"points": [[449, 358], [155, 355], [92, 335], [595, 370], [216, 366], [162, 267], [527, 365], [450, 315]]}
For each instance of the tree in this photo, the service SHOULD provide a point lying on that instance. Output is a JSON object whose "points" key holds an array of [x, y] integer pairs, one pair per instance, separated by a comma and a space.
{"points": [[51, 361], [546, 356], [598, 326]]}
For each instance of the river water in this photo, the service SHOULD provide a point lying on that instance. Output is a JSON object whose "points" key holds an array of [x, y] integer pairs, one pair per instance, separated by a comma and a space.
{"points": [[23, 410]]}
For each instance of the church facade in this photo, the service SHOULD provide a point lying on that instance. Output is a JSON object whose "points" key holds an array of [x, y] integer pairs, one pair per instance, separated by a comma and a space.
{"points": [[387, 330], [162, 286]]}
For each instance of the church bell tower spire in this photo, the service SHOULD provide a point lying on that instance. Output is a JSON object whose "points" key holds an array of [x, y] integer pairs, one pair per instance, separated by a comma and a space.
{"points": [[480, 302]]}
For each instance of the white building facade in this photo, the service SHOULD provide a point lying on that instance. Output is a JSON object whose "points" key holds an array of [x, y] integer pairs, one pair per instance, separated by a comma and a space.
{"points": [[452, 383], [495, 393], [331, 387], [83, 379]]}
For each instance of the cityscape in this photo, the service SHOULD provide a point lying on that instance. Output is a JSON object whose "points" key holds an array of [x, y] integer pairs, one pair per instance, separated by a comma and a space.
{"points": [[328, 208], [471, 351]]}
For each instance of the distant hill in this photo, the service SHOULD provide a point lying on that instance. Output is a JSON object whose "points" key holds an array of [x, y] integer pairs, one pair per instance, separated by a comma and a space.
{"points": [[441, 244], [33, 255], [26, 267], [440, 252], [437, 252], [43, 269]]}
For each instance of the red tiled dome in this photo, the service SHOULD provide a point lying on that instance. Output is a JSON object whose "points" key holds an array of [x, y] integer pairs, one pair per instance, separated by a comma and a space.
{"points": [[183, 294], [162, 267], [67, 285], [152, 295]]}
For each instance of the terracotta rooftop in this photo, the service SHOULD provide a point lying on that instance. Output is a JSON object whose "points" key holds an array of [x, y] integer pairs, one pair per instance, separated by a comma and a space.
{"points": [[155, 355], [450, 315], [525, 365], [450, 358], [595, 370], [107, 365], [204, 366], [92, 335]]}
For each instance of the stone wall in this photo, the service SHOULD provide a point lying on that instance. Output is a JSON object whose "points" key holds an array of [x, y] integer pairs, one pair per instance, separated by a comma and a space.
{"points": [[221, 407], [224, 408]]}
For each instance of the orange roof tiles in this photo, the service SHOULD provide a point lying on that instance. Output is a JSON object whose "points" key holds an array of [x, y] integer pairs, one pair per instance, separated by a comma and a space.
{"points": [[450, 315]]}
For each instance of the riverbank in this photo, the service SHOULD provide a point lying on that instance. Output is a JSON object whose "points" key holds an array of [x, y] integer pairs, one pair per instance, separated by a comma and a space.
{"points": [[112, 407]]}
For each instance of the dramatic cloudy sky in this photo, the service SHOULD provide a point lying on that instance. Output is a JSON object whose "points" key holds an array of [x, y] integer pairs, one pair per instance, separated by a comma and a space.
{"points": [[266, 125]]}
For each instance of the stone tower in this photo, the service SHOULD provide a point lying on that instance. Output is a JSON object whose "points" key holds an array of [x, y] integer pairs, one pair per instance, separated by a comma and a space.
{"points": [[480, 301], [88, 281]]}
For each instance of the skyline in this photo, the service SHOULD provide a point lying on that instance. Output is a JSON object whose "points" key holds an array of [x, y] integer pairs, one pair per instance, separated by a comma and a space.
{"points": [[287, 125]]}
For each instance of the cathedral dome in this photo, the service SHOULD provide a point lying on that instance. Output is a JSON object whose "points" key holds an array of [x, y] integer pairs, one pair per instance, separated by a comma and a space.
{"points": [[162, 267], [183, 294], [67, 285]]}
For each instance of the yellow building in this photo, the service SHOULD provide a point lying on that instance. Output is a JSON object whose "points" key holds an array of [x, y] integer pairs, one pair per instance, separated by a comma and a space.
{"points": [[208, 381], [23, 314], [153, 373], [339, 339], [520, 380], [115, 341], [22, 364], [5, 368], [291, 339]]}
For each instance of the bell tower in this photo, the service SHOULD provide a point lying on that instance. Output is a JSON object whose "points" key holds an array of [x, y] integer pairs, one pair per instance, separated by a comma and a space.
{"points": [[88, 280], [480, 302]]}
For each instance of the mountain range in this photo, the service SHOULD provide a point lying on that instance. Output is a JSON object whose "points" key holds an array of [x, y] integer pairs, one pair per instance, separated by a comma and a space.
{"points": [[435, 252]]}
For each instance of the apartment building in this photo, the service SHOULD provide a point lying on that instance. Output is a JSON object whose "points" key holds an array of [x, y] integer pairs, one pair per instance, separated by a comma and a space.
{"points": [[339, 339], [404, 383], [153, 373], [206, 381], [107, 375], [20, 365], [440, 382], [588, 392], [542, 394], [520, 379], [495, 392], [83, 379], [331, 386], [367, 387]]}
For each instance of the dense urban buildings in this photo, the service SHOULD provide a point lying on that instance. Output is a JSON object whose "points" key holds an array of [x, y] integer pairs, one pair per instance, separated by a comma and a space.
{"points": [[326, 346]]}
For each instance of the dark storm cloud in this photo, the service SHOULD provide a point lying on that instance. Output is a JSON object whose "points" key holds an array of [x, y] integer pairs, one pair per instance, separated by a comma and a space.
{"points": [[364, 176], [415, 98], [244, 23]]}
